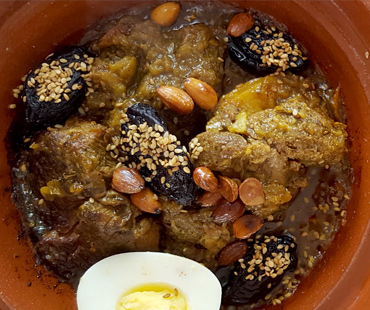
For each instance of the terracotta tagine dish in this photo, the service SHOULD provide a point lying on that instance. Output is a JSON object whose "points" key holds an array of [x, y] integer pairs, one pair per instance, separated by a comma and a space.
{"points": [[336, 38]]}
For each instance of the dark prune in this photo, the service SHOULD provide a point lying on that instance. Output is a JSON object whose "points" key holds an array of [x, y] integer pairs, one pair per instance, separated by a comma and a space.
{"points": [[262, 269], [265, 49], [55, 89], [185, 127], [141, 113], [158, 155]]}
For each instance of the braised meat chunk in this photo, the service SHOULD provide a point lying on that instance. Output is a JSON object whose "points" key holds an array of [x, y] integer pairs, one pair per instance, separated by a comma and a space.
{"points": [[272, 138], [300, 133], [222, 151], [193, 233], [131, 46], [105, 227], [114, 224], [74, 218], [237, 157], [75, 157], [62, 168], [265, 93]]}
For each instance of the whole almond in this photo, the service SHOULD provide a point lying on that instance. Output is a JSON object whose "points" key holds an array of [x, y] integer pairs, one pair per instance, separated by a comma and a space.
{"points": [[240, 24], [176, 99], [209, 199], [127, 180], [228, 212], [228, 188], [146, 201], [246, 226], [205, 179], [165, 14], [231, 252], [251, 192], [202, 93]]}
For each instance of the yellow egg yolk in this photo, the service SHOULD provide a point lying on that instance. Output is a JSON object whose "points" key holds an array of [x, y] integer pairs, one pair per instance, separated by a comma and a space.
{"points": [[152, 297]]}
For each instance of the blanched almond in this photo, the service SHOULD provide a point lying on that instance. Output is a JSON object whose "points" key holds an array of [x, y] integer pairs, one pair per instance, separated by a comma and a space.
{"points": [[231, 252], [146, 201], [205, 179], [240, 24], [246, 226], [228, 188], [176, 99], [165, 14], [202, 93], [251, 192], [127, 180], [209, 199], [227, 212]]}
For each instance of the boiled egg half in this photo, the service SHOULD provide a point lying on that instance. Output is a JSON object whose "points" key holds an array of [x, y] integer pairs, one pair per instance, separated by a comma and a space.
{"points": [[148, 280]]}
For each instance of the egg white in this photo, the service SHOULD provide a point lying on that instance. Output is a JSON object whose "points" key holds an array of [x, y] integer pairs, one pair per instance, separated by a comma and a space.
{"points": [[105, 282]]}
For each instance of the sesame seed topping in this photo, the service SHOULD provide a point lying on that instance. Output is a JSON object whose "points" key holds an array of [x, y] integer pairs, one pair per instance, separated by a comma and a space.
{"points": [[276, 51], [51, 80], [152, 146]]}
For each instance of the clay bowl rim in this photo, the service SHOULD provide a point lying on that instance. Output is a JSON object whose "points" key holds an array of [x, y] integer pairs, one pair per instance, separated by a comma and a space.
{"points": [[342, 22]]}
